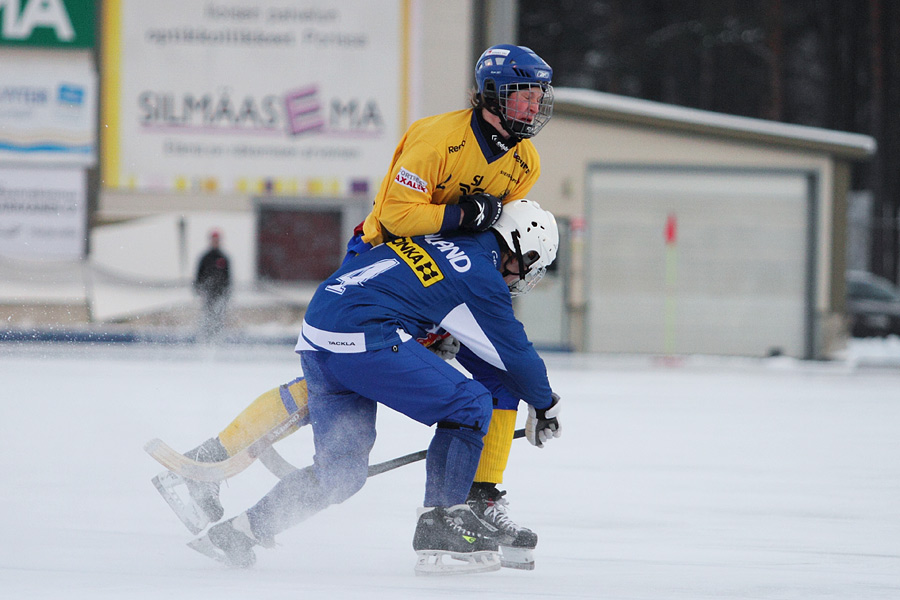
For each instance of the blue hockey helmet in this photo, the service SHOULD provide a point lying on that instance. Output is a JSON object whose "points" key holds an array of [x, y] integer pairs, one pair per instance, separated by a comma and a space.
{"points": [[505, 69]]}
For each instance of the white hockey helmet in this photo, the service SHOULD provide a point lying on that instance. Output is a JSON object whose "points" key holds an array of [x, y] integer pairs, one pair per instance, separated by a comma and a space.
{"points": [[532, 235]]}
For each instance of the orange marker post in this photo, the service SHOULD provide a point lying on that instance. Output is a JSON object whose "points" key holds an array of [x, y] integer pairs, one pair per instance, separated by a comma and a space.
{"points": [[671, 235]]}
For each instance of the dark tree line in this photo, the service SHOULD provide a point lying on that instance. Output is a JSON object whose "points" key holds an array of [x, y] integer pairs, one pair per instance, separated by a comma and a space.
{"points": [[823, 63]]}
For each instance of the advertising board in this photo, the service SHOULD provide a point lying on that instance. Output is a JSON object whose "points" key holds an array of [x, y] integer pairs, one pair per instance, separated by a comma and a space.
{"points": [[263, 97], [42, 212], [47, 23], [48, 109]]}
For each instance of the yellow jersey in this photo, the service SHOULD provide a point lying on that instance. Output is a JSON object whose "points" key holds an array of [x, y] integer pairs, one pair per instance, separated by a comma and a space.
{"points": [[439, 159]]}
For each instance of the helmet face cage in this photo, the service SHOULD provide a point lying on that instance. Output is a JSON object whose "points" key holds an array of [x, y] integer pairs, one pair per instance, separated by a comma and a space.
{"points": [[534, 121], [523, 285], [504, 70]]}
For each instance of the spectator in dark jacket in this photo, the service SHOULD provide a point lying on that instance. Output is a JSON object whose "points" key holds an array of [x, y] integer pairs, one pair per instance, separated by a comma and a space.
{"points": [[213, 284]]}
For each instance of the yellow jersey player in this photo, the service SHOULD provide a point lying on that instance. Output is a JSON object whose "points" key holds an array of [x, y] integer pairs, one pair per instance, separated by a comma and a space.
{"points": [[450, 169], [454, 171]]}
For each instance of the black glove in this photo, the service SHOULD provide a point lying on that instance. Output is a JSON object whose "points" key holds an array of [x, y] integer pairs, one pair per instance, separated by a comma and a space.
{"points": [[480, 211], [542, 424]]}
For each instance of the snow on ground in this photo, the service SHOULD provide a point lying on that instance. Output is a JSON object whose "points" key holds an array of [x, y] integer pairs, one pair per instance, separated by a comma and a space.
{"points": [[703, 478]]}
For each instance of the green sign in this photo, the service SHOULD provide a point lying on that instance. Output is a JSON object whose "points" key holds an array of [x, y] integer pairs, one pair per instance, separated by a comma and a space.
{"points": [[55, 23]]}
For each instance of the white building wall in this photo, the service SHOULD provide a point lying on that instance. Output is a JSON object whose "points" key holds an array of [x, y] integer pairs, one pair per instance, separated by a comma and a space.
{"points": [[571, 145]]}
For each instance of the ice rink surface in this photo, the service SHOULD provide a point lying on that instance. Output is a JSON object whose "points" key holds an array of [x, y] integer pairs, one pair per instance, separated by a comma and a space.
{"points": [[705, 478]]}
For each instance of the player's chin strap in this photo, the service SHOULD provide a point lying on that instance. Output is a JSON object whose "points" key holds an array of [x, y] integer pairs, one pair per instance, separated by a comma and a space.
{"points": [[522, 285], [492, 103], [519, 258], [529, 276]]}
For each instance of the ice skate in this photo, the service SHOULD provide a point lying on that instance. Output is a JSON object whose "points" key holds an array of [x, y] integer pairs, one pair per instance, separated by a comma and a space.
{"points": [[516, 543], [196, 503], [450, 541], [231, 542], [175, 491]]}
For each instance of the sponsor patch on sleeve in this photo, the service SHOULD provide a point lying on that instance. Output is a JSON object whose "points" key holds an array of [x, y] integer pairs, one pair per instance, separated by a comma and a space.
{"points": [[411, 180]]}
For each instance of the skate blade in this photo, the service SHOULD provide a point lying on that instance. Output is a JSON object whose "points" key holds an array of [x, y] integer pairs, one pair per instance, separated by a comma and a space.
{"points": [[185, 508], [204, 546], [439, 562], [517, 558]]}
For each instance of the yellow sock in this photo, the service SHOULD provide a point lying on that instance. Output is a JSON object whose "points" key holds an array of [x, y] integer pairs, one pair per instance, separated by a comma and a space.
{"points": [[263, 414], [497, 444]]}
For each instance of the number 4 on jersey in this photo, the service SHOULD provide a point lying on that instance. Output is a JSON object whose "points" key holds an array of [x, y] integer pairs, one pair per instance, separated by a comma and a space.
{"points": [[360, 276]]}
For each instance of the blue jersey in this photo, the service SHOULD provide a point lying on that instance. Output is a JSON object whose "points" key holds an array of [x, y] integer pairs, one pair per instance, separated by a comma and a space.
{"points": [[410, 287]]}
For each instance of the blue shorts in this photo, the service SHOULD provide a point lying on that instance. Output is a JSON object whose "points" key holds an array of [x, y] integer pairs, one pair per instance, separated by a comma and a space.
{"points": [[344, 390], [408, 378]]}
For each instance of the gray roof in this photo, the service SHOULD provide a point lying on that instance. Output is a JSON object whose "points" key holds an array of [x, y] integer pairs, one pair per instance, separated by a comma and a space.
{"points": [[623, 109]]}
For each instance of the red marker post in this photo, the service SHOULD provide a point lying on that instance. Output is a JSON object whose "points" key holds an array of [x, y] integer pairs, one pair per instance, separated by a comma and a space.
{"points": [[671, 235]]}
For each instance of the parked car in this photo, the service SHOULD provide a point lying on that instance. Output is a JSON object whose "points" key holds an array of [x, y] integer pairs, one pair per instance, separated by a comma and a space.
{"points": [[873, 305]]}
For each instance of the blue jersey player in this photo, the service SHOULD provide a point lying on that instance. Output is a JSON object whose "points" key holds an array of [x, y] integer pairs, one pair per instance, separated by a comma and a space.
{"points": [[450, 172], [358, 349]]}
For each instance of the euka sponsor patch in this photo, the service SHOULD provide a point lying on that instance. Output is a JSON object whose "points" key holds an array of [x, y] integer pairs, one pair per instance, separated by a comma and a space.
{"points": [[418, 260]]}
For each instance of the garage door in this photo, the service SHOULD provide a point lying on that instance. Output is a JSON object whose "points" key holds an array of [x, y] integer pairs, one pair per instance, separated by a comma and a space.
{"points": [[698, 261]]}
